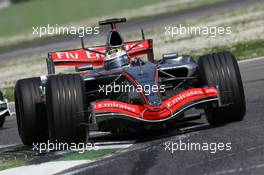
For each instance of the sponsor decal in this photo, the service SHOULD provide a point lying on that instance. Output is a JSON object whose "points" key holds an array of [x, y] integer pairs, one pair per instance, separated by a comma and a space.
{"points": [[102, 105], [78, 54], [183, 96], [210, 90], [129, 45]]}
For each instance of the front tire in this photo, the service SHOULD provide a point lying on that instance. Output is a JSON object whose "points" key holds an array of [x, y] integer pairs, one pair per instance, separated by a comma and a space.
{"points": [[66, 104], [30, 111], [221, 69]]}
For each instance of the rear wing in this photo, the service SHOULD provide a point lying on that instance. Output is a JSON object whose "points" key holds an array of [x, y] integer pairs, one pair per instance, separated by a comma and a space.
{"points": [[94, 56]]}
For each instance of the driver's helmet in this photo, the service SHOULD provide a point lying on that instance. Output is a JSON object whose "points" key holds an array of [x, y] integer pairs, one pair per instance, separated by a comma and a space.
{"points": [[116, 58]]}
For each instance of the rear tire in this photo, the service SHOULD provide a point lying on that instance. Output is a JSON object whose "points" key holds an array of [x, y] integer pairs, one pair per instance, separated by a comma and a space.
{"points": [[2, 120], [1, 96], [66, 104], [30, 111], [221, 69]]}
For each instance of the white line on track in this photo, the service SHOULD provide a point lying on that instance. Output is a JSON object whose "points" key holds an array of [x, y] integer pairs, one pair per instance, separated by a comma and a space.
{"points": [[119, 146], [250, 60], [238, 170], [47, 168], [7, 146]]}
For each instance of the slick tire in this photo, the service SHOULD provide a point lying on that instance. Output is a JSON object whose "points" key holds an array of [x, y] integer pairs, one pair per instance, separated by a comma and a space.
{"points": [[221, 69], [2, 121], [2, 118], [66, 105], [1, 96], [30, 111]]}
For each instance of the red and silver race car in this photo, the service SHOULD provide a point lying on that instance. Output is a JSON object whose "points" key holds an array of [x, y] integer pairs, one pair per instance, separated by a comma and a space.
{"points": [[120, 87]]}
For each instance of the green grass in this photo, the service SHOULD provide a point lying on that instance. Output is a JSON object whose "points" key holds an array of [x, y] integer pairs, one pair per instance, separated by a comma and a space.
{"points": [[242, 50], [87, 155], [23, 155], [15, 156], [20, 18], [245, 50], [9, 93], [11, 164]]}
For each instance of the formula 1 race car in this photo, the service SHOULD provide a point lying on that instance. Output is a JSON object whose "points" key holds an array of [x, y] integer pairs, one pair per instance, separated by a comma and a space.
{"points": [[120, 87], [4, 110]]}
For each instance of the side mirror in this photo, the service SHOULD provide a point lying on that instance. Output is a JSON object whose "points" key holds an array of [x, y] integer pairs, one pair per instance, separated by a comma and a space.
{"points": [[84, 68]]}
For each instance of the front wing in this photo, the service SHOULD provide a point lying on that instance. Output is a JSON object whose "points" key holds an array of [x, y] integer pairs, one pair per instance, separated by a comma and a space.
{"points": [[169, 108]]}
